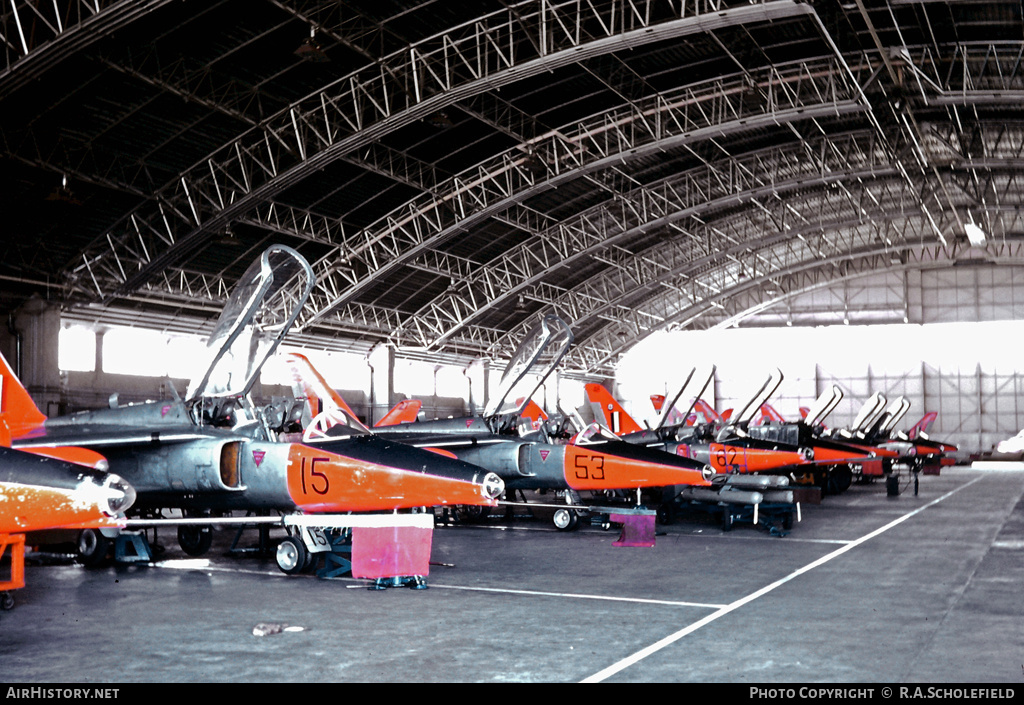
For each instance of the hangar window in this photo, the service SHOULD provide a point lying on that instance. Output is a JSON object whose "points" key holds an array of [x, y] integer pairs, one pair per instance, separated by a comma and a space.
{"points": [[416, 378], [76, 349], [343, 371], [163, 355]]}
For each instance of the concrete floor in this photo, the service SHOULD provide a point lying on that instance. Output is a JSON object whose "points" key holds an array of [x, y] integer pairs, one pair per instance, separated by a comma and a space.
{"points": [[865, 589]]}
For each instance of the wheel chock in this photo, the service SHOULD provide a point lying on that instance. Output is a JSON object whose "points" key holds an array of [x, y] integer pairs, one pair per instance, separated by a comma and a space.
{"points": [[338, 561], [132, 547]]}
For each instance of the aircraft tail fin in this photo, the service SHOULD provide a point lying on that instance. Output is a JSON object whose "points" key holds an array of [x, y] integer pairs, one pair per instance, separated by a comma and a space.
{"points": [[309, 384], [674, 418], [658, 401], [19, 413], [701, 410], [769, 414], [609, 410], [921, 427], [704, 409], [533, 412], [404, 411]]}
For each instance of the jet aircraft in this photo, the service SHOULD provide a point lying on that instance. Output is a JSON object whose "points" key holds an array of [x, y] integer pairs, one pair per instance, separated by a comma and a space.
{"points": [[49, 491], [215, 451], [505, 442], [726, 447], [737, 446], [735, 454], [914, 450]]}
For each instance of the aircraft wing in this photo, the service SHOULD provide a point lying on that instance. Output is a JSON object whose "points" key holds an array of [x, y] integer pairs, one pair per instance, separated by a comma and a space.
{"points": [[106, 436]]}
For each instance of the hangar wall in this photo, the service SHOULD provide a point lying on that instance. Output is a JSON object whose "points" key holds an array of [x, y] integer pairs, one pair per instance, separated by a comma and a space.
{"points": [[966, 291], [973, 381], [978, 397]]}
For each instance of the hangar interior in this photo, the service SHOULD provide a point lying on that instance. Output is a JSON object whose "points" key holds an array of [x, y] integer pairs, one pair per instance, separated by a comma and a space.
{"points": [[453, 170], [832, 188]]}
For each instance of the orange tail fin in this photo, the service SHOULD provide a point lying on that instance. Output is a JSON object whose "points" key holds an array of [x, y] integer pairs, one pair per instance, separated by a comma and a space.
{"points": [[922, 426], [533, 412], [308, 383], [705, 409], [768, 413], [19, 411], [658, 401], [404, 411], [608, 411]]}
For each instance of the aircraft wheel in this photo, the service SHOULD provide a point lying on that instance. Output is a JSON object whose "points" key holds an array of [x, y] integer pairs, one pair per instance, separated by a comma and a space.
{"points": [[291, 555], [566, 520], [92, 548], [195, 540], [311, 563], [6, 600], [892, 486], [727, 520], [470, 514], [841, 479]]}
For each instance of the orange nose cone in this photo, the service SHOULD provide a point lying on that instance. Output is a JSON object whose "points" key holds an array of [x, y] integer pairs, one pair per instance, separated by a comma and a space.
{"points": [[321, 481], [589, 469]]}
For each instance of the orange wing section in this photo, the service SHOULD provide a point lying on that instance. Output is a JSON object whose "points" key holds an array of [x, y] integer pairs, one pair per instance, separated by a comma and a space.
{"points": [[19, 416], [404, 411], [609, 411]]}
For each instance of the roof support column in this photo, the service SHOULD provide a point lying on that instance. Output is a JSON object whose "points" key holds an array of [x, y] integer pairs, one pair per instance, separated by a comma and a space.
{"points": [[381, 361]]}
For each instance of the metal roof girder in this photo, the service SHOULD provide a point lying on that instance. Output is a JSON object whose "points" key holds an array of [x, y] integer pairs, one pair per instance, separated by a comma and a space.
{"points": [[591, 236], [797, 113], [377, 91]]}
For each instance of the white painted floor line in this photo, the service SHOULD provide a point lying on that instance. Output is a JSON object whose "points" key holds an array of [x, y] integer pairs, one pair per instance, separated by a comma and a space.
{"points": [[205, 565], [731, 536], [672, 638], [578, 596]]}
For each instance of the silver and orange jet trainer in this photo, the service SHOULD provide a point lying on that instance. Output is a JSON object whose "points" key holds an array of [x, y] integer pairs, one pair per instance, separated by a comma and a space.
{"points": [[216, 451], [549, 457]]}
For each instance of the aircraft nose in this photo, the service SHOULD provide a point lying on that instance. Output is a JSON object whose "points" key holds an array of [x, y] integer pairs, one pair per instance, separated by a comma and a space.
{"points": [[492, 486], [807, 453], [120, 495], [708, 473]]}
